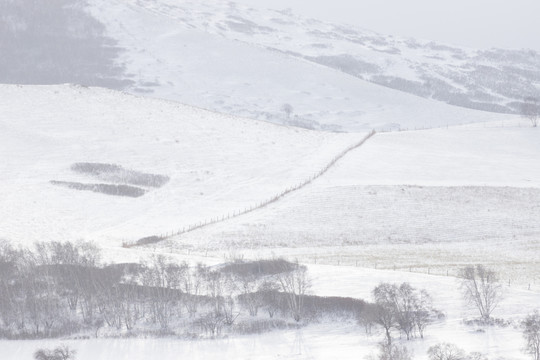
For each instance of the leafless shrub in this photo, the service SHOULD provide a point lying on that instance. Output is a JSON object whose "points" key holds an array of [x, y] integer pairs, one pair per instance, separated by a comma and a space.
{"points": [[60, 353], [295, 284]]}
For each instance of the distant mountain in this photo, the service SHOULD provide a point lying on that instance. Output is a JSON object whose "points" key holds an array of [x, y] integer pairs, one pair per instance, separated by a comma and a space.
{"points": [[493, 80], [256, 63]]}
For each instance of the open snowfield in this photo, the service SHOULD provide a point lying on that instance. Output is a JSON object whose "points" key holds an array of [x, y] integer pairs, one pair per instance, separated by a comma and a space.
{"points": [[431, 200], [324, 340], [415, 201], [216, 164]]}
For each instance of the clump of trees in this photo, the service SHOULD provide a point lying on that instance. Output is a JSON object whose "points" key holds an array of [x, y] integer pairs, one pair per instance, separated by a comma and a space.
{"points": [[402, 308], [57, 289]]}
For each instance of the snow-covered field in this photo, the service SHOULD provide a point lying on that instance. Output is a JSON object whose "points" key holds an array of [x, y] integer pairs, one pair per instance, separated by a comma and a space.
{"points": [[429, 200], [217, 164], [417, 201]]}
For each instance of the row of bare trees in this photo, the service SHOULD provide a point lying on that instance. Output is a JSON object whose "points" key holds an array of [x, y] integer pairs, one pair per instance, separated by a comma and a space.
{"points": [[61, 288]]}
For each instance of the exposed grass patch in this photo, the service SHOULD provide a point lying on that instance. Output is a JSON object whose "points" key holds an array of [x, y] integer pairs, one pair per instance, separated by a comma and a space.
{"points": [[117, 174], [108, 189]]}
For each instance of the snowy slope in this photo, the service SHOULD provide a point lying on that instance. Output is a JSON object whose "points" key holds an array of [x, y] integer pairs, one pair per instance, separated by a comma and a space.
{"points": [[250, 62], [495, 80], [433, 199], [216, 164]]}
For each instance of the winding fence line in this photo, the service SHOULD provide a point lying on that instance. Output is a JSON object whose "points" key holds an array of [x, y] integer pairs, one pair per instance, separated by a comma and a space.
{"points": [[157, 238]]}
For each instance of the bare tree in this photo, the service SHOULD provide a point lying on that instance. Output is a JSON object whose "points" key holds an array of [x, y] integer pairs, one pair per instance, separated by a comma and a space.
{"points": [[446, 351], [269, 297], [530, 109], [287, 109], [295, 285], [531, 333], [481, 288], [385, 315], [423, 311]]}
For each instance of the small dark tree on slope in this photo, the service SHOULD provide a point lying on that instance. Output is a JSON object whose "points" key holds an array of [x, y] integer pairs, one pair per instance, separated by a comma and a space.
{"points": [[531, 333], [481, 288], [287, 109]]}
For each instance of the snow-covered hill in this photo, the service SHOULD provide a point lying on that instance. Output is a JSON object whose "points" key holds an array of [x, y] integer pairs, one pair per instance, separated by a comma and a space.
{"points": [[251, 62], [207, 165], [262, 59], [495, 80]]}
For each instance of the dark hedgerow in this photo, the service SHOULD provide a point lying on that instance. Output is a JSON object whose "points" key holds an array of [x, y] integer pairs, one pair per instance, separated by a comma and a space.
{"points": [[259, 267], [107, 189]]}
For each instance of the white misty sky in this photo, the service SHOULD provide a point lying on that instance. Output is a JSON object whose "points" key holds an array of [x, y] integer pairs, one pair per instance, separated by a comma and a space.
{"points": [[471, 23]]}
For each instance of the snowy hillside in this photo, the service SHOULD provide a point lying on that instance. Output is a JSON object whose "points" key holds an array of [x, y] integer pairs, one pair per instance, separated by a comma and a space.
{"points": [[176, 165], [273, 58], [251, 62], [495, 80]]}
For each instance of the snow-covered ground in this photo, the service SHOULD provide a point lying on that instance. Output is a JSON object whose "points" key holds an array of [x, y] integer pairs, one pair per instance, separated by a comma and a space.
{"points": [[325, 340], [217, 164], [424, 201], [430, 200]]}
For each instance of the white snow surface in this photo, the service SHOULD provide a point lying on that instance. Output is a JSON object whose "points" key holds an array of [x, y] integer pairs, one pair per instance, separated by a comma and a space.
{"points": [[217, 164]]}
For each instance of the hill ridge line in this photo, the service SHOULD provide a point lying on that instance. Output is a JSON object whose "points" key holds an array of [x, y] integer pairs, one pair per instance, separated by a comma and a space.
{"points": [[158, 238]]}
